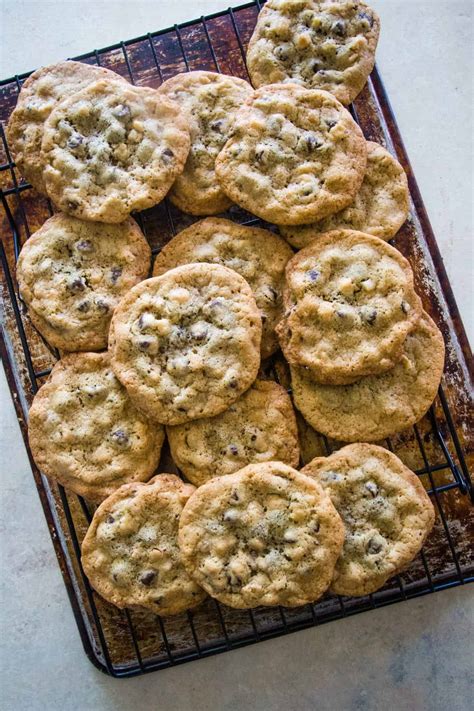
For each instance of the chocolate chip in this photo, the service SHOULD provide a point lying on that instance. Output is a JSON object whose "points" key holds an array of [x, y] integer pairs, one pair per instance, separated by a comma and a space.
{"points": [[259, 155], [235, 496], [144, 344], [253, 438], [115, 272], [405, 307], [216, 125], [109, 519], [233, 383], [85, 245], [312, 142], [148, 577], [72, 205], [233, 449], [77, 285], [339, 28], [74, 141], [330, 124], [374, 546], [122, 111], [370, 316], [312, 274], [120, 437], [102, 304], [316, 67], [167, 155], [83, 306], [315, 526], [365, 16], [372, 487]]}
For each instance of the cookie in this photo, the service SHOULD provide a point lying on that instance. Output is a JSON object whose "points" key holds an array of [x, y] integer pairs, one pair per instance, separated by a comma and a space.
{"points": [[349, 305], [72, 274], [187, 344], [112, 148], [39, 95], [258, 427], [257, 255], [386, 512], [85, 432], [266, 535], [380, 207], [296, 155], [211, 101], [321, 45], [130, 553], [376, 406]]}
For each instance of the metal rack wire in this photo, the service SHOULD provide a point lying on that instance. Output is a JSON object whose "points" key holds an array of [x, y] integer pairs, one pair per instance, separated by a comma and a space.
{"points": [[128, 643]]}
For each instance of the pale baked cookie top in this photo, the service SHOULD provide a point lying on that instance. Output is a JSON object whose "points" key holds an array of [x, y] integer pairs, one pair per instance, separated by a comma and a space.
{"points": [[322, 45], [295, 156], [72, 274], [130, 553], [349, 305], [376, 406], [386, 512], [380, 207], [186, 344], [258, 255], [258, 427], [212, 102], [112, 148], [85, 432], [39, 95], [266, 535]]}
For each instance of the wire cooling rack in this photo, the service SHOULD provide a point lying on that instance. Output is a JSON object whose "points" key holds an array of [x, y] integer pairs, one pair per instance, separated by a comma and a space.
{"points": [[439, 448]]}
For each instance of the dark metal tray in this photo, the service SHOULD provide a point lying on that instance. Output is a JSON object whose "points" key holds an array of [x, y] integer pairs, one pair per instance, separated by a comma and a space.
{"points": [[439, 448]]}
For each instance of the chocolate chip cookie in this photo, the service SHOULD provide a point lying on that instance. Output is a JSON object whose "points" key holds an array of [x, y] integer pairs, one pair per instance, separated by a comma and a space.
{"points": [[85, 432], [39, 95], [187, 344], [130, 553], [112, 148], [258, 427], [212, 102], [295, 156], [257, 255], [380, 207], [386, 512], [72, 274], [266, 535], [376, 406], [321, 45], [349, 305]]}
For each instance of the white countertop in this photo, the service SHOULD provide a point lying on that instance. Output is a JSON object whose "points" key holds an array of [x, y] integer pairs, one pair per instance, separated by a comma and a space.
{"points": [[414, 655]]}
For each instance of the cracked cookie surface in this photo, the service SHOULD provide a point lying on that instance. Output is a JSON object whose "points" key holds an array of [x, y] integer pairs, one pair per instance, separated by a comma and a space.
{"points": [[73, 273], [296, 155], [85, 431], [130, 553], [258, 427], [212, 102], [186, 344], [321, 45], [39, 95], [266, 535], [349, 305], [112, 148], [380, 207], [376, 406], [386, 513], [257, 255]]}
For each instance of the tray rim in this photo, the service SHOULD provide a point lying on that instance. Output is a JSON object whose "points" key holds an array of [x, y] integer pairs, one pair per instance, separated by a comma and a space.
{"points": [[457, 328]]}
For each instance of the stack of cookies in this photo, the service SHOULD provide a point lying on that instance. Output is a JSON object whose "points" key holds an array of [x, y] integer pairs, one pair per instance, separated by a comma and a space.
{"points": [[178, 355]]}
